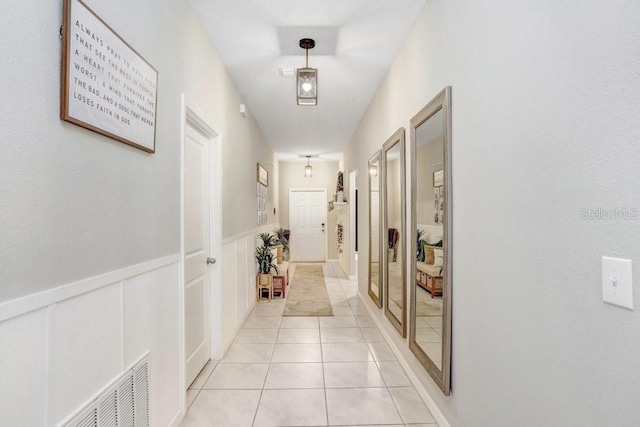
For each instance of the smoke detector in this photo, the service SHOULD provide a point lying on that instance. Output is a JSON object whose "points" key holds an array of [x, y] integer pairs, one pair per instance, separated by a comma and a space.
{"points": [[287, 71]]}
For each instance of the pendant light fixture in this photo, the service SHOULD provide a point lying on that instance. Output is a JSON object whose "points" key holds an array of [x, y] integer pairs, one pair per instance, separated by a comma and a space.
{"points": [[307, 81], [308, 170]]}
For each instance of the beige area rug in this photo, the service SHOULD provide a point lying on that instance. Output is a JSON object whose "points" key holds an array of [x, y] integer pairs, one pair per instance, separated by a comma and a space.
{"points": [[307, 294]]}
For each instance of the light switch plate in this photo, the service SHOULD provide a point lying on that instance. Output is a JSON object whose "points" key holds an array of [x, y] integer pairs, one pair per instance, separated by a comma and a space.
{"points": [[617, 282]]}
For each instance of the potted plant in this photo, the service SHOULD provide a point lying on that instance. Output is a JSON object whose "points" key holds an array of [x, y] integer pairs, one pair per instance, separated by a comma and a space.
{"points": [[265, 260], [267, 239], [282, 239], [421, 243]]}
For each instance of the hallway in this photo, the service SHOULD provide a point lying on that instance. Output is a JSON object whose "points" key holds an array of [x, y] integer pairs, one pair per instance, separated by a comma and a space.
{"points": [[307, 371], [481, 158]]}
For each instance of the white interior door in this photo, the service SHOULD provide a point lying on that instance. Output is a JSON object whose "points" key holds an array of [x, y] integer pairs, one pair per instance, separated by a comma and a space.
{"points": [[308, 221], [196, 249]]}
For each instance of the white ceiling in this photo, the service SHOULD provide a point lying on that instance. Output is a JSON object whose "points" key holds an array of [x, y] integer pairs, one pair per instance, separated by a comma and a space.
{"points": [[356, 41]]}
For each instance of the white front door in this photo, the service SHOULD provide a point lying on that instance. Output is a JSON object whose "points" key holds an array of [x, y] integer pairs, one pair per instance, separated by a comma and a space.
{"points": [[308, 223], [196, 251]]}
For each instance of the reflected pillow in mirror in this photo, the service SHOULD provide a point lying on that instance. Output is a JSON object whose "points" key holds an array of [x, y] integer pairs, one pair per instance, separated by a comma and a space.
{"points": [[438, 255], [428, 256]]}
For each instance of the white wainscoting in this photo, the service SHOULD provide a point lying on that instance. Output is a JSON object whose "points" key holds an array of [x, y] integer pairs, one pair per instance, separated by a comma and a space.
{"points": [[239, 270], [62, 347]]}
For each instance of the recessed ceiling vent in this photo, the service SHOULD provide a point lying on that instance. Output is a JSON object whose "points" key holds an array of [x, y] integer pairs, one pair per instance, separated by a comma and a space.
{"points": [[125, 403]]}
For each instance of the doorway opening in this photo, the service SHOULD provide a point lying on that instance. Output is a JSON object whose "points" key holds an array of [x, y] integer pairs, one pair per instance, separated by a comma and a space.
{"points": [[353, 225]]}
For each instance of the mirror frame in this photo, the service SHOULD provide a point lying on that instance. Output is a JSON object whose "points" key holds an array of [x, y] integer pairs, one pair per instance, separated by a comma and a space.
{"points": [[442, 101], [377, 299], [397, 138]]}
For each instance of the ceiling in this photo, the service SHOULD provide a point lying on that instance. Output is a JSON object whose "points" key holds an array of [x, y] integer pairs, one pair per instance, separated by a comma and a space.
{"points": [[356, 42]]}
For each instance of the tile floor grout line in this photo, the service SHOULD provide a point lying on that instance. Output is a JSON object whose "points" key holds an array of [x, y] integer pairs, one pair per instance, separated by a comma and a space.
{"points": [[255, 415], [194, 400], [324, 379], [377, 364], [264, 382]]}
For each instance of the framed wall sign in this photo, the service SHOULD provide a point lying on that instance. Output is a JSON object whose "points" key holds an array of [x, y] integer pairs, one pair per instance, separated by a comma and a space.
{"points": [[107, 87], [263, 175]]}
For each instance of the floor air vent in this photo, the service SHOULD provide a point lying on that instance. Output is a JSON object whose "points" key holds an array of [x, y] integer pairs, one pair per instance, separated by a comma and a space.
{"points": [[124, 404]]}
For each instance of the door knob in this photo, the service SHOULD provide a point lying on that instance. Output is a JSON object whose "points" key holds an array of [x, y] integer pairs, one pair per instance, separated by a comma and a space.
{"points": [[211, 261]]}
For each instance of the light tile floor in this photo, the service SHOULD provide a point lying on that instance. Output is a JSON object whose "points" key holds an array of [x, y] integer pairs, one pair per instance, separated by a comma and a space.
{"points": [[307, 371]]}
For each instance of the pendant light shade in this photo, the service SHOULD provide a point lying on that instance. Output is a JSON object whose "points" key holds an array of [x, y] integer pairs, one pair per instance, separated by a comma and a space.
{"points": [[308, 170], [307, 78]]}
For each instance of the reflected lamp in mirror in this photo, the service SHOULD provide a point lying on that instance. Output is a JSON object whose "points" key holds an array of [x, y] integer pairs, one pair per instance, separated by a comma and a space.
{"points": [[373, 170]]}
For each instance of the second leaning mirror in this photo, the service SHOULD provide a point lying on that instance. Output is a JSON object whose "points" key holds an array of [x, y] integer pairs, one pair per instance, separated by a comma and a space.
{"points": [[394, 276], [375, 272]]}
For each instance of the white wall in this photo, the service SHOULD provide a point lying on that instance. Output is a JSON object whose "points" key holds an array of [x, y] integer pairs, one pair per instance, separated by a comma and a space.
{"points": [[546, 97], [76, 206], [325, 175], [243, 145], [75, 203]]}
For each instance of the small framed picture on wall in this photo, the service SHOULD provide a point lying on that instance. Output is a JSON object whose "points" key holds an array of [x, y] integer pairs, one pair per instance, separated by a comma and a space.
{"points": [[438, 178], [263, 175]]}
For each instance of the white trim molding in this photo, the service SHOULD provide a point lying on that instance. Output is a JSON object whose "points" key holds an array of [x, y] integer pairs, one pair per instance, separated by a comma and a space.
{"points": [[254, 231], [33, 302]]}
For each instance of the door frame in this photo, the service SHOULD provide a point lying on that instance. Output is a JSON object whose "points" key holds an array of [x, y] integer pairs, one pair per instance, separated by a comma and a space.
{"points": [[190, 115], [326, 215], [353, 185]]}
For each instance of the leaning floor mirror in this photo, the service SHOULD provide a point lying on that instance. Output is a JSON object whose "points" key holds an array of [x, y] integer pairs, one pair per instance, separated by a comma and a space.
{"points": [[393, 258], [375, 248], [430, 275]]}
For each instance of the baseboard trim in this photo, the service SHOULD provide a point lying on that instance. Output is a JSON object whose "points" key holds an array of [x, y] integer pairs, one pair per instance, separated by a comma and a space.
{"points": [[33, 302], [177, 419], [332, 260], [235, 333], [431, 404]]}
